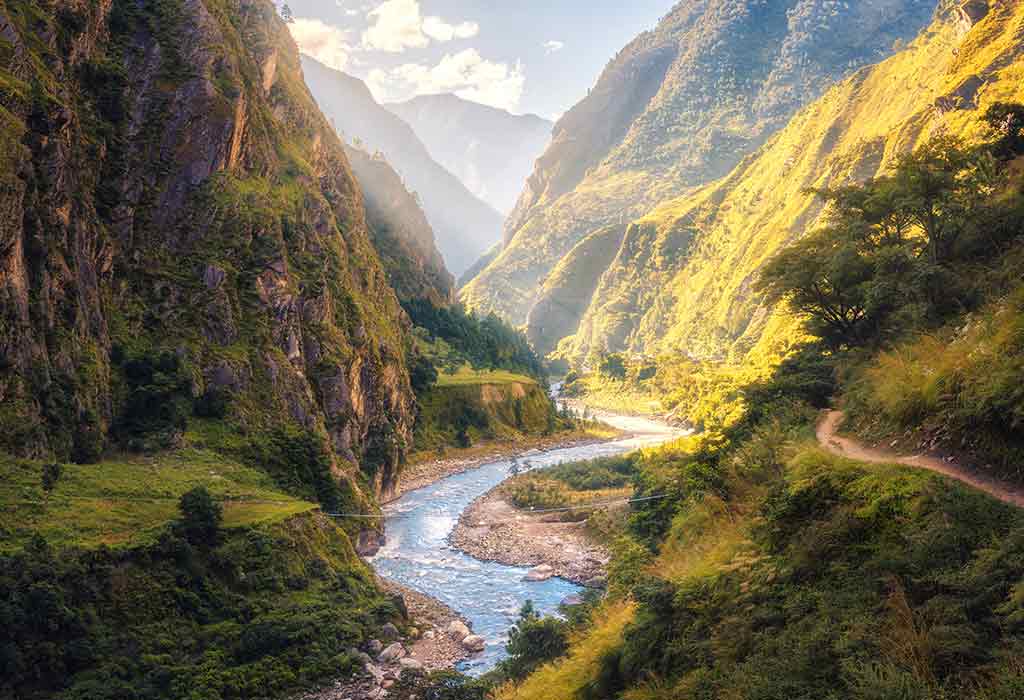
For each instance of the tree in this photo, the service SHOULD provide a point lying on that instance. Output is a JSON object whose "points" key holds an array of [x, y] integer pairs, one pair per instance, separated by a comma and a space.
{"points": [[286, 14], [613, 366], [51, 475], [1006, 120], [532, 642], [826, 278], [201, 516]]}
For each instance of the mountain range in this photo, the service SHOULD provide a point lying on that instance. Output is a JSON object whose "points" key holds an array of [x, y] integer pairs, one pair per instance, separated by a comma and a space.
{"points": [[679, 107], [489, 149], [464, 225]]}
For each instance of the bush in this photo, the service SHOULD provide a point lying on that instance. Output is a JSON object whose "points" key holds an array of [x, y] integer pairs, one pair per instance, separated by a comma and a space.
{"points": [[532, 642], [201, 516]]}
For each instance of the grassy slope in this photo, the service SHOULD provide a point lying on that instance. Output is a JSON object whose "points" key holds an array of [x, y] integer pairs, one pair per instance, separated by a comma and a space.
{"points": [[128, 501], [830, 579], [700, 300]]}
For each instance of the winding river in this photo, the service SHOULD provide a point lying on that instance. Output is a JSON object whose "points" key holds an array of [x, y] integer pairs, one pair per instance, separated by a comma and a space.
{"points": [[489, 595]]}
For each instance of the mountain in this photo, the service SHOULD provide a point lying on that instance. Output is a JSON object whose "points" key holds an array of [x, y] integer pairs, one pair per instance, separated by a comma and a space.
{"points": [[464, 225], [400, 232], [491, 150], [677, 108], [681, 279], [183, 239]]}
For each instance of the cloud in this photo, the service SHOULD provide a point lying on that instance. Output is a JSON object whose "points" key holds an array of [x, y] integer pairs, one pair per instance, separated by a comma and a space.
{"points": [[439, 30], [467, 74], [324, 42], [553, 46], [397, 25]]}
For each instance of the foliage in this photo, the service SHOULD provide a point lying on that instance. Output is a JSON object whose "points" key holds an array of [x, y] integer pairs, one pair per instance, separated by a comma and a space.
{"points": [[902, 250], [532, 642], [441, 685], [158, 400], [261, 615], [51, 475], [299, 463], [486, 343], [613, 366], [201, 516]]}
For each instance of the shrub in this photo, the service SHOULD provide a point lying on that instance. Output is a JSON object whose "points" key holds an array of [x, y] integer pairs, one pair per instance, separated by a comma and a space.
{"points": [[532, 642]]}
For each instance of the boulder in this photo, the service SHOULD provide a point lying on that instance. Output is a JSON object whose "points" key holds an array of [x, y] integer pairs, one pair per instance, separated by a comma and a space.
{"points": [[393, 653], [474, 643], [457, 630], [375, 647], [390, 632], [408, 664], [539, 573], [571, 600]]}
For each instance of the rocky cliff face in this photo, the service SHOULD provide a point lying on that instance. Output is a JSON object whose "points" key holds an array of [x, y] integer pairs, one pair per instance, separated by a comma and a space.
{"points": [[677, 108], [464, 225], [681, 279], [490, 150], [177, 211]]}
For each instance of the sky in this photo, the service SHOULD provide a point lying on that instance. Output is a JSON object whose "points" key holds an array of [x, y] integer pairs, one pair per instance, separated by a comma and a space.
{"points": [[526, 56]]}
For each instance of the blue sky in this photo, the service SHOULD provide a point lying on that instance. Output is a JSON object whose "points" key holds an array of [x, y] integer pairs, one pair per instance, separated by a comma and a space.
{"points": [[523, 55]]}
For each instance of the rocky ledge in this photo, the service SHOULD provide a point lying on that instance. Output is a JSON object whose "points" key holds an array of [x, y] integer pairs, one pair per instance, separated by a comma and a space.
{"points": [[493, 530]]}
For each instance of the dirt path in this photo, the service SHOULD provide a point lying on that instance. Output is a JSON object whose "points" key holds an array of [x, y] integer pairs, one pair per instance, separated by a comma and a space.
{"points": [[846, 447]]}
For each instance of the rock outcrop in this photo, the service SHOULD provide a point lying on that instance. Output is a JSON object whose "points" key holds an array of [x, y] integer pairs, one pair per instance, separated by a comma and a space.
{"points": [[174, 205]]}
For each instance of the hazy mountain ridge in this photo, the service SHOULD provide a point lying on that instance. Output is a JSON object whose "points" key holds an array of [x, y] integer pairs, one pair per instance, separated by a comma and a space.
{"points": [[679, 107], [464, 226], [491, 150]]}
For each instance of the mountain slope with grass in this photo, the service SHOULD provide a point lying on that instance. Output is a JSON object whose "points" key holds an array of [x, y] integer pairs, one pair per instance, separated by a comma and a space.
{"points": [[464, 225], [677, 108], [682, 278], [491, 150]]}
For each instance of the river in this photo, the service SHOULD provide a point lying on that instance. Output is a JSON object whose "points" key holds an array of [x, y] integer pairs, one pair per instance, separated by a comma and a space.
{"points": [[489, 595]]}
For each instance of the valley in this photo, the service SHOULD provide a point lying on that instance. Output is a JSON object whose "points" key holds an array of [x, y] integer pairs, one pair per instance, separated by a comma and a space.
{"points": [[331, 371]]}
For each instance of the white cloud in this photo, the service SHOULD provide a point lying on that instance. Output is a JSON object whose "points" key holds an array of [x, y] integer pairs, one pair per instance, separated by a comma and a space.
{"points": [[553, 46], [324, 42], [397, 25], [439, 30], [467, 74]]}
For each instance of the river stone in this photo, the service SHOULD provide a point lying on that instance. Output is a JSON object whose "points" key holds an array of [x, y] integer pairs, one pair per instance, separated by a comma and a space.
{"points": [[571, 600], [539, 573], [429, 634], [393, 653], [411, 664], [389, 632], [474, 643], [458, 630], [375, 647]]}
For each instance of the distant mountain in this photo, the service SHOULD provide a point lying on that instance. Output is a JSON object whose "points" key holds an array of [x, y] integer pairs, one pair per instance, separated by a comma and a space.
{"points": [[464, 225], [677, 108], [400, 231], [491, 150]]}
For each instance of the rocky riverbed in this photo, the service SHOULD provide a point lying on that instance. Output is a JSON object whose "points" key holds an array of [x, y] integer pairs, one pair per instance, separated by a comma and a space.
{"points": [[492, 529]]}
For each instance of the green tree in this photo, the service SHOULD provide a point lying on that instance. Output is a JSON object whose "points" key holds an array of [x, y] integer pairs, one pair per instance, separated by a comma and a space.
{"points": [[532, 642], [201, 516], [1006, 120], [613, 366], [51, 475]]}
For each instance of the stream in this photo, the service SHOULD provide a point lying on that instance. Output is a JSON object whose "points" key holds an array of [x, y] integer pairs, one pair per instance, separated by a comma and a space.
{"points": [[489, 595]]}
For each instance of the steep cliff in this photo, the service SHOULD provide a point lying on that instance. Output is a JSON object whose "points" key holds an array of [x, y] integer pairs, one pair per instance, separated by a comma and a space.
{"points": [[464, 225], [181, 234], [677, 108], [400, 231], [492, 151], [681, 281]]}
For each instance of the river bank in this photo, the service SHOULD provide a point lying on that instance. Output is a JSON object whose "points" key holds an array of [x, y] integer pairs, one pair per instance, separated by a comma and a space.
{"points": [[425, 471], [492, 529]]}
